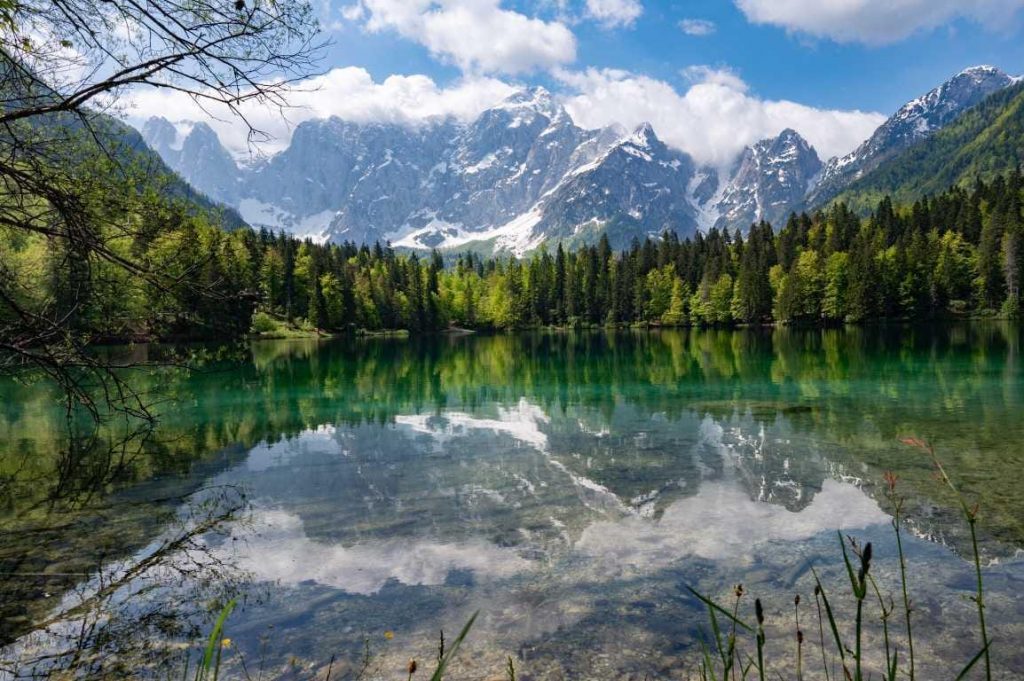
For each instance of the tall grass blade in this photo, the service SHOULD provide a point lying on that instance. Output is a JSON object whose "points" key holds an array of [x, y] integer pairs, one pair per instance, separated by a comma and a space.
{"points": [[831, 618], [707, 601], [970, 665], [903, 583], [214, 644], [443, 663]]}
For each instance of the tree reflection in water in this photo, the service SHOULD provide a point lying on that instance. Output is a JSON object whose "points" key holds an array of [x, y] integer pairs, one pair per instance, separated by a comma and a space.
{"points": [[141, 613]]}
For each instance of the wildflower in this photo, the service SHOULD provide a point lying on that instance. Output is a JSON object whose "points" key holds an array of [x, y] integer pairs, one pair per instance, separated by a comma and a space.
{"points": [[225, 643], [739, 591], [890, 481], [389, 634], [412, 667]]}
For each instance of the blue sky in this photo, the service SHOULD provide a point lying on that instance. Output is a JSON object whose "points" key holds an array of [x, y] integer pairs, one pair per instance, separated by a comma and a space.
{"points": [[710, 75], [777, 62]]}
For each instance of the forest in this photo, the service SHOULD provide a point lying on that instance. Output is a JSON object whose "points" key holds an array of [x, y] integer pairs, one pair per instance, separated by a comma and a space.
{"points": [[954, 254]]}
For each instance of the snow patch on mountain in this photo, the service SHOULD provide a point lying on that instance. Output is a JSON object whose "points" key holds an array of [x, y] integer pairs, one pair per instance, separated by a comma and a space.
{"points": [[260, 214]]}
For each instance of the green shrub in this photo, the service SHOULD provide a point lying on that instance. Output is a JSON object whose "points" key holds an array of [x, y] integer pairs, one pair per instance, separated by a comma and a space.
{"points": [[263, 323]]}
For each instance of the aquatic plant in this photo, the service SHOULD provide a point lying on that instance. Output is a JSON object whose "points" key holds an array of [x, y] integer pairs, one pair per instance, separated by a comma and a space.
{"points": [[208, 667]]}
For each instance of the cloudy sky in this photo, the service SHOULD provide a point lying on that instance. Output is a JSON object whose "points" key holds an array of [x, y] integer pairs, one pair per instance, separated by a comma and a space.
{"points": [[710, 75]]}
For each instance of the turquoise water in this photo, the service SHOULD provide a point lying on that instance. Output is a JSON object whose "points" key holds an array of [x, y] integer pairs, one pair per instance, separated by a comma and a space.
{"points": [[361, 496]]}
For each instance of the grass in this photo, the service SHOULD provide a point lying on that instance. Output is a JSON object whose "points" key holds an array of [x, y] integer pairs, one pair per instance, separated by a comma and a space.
{"points": [[268, 326]]}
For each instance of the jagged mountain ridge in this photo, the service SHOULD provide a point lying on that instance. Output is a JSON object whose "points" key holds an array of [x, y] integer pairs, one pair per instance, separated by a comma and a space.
{"points": [[523, 173]]}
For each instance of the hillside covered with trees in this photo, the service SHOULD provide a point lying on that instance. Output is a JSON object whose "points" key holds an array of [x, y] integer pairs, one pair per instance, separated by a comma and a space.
{"points": [[984, 142]]}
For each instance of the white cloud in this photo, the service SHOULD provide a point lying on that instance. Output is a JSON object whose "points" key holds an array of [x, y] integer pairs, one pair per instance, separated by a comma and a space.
{"points": [[353, 12], [279, 551], [714, 119], [721, 522], [478, 36], [349, 93], [875, 21], [718, 75], [697, 27], [614, 13]]}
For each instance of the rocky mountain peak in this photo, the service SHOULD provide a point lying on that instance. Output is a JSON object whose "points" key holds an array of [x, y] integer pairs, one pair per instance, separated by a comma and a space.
{"points": [[644, 137], [161, 135], [772, 176], [526, 105]]}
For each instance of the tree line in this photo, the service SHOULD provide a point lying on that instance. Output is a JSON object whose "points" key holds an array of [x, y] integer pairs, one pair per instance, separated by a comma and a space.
{"points": [[956, 253]]}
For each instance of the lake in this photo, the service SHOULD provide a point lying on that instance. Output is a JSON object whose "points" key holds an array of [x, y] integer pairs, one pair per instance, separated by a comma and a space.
{"points": [[356, 497]]}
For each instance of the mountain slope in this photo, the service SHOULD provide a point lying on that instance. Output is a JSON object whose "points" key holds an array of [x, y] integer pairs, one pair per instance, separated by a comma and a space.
{"points": [[439, 185], [982, 143], [914, 121], [199, 158], [771, 177], [638, 187], [129, 148]]}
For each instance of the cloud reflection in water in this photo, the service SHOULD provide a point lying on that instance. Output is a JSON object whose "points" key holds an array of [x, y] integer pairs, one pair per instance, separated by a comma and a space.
{"points": [[718, 521]]}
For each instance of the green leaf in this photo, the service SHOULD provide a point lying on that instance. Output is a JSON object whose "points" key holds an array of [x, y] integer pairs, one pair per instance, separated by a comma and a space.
{"points": [[214, 642], [974, 661]]}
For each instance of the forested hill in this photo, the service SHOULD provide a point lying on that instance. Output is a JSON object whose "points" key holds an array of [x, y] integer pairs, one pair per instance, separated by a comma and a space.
{"points": [[983, 142], [955, 253]]}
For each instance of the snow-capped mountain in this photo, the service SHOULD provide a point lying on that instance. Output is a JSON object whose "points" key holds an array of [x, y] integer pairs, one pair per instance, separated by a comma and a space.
{"points": [[520, 174], [637, 187], [523, 173], [770, 179], [914, 121]]}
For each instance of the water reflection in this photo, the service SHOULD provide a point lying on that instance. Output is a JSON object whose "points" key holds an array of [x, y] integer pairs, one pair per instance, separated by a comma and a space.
{"points": [[567, 485], [124, 619], [522, 505]]}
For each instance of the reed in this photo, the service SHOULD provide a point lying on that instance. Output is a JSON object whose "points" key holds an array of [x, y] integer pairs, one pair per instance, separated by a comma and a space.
{"points": [[971, 515], [896, 500]]}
